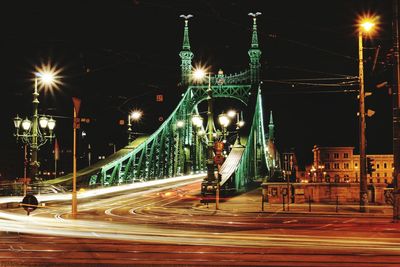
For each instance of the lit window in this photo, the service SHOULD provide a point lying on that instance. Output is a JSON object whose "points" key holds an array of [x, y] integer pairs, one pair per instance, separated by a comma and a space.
{"points": [[336, 165]]}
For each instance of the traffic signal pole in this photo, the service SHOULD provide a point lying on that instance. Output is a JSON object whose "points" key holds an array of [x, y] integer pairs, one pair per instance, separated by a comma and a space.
{"points": [[396, 113]]}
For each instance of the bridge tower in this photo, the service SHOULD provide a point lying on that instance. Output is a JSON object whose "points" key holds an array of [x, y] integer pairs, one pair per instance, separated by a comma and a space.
{"points": [[186, 54], [254, 52]]}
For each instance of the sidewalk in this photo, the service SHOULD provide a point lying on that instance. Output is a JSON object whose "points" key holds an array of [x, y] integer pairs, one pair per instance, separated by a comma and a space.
{"points": [[250, 202]]}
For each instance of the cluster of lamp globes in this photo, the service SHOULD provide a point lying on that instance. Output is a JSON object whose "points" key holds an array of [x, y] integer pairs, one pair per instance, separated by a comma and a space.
{"points": [[46, 77]]}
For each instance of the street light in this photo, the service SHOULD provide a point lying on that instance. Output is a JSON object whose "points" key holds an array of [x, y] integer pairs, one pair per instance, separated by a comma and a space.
{"points": [[37, 131], [224, 121], [199, 75], [135, 115], [366, 26]]}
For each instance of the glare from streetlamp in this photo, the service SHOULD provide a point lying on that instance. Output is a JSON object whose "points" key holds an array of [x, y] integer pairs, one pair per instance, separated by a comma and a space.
{"points": [[368, 24], [231, 113], [240, 124], [197, 120], [43, 122], [136, 115], [26, 124], [51, 124], [199, 74], [180, 124], [48, 76], [223, 120]]}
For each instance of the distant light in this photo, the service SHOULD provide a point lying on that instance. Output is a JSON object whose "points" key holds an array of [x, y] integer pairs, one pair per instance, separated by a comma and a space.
{"points": [[231, 113], [180, 124], [199, 74], [136, 115]]}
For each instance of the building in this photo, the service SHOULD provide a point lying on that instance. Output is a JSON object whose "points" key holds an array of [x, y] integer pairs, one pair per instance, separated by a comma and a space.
{"points": [[339, 164]]}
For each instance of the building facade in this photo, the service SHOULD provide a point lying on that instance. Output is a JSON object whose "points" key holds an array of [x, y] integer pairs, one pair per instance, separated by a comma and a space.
{"points": [[340, 165]]}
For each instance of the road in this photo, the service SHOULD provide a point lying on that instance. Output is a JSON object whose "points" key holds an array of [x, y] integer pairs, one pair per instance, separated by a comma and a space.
{"points": [[167, 226]]}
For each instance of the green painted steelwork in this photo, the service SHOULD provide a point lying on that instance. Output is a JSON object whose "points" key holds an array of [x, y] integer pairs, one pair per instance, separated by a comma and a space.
{"points": [[174, 149], [254, 163]]}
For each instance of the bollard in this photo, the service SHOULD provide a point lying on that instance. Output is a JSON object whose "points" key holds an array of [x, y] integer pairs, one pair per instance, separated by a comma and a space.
{"points": [[309, 204], [262, 202]]}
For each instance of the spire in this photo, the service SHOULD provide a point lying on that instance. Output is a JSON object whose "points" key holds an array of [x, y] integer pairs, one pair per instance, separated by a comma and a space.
{"points": [[186, 55], [271, 128], [254, 51]]}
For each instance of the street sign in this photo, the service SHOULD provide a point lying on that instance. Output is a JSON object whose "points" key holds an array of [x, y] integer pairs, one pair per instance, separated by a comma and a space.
{"points": [[29, 203]]}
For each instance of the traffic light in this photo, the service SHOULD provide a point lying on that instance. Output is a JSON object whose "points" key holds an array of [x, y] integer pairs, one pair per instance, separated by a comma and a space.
{"points": [[370, 166]]}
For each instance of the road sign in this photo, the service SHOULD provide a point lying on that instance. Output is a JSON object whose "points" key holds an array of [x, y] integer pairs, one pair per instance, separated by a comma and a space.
{"points": [[29, 203]]}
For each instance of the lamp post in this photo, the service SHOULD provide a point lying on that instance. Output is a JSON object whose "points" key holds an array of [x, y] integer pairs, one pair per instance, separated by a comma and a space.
{"points": [[366, 26], [197, 122], [199, 74], [37, 131], [133, 116]]}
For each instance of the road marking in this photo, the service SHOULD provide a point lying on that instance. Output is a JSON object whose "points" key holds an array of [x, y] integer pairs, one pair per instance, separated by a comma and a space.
{"points": [[290, 221], [326, 225]]}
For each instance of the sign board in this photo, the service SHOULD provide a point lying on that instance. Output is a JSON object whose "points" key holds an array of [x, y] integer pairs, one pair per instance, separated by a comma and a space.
{"points": [[29, 203], [299, 191], [219, 159]]}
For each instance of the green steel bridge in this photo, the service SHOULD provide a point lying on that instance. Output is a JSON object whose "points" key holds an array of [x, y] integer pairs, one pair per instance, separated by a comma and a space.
{"points": [[174, 149]]}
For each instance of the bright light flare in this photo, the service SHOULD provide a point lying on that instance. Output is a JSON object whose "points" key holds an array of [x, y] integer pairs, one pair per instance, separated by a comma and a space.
{"points": [[223, 120], [48, 76], [231, 113], [199, 74], [136, 115], [368, 24]]}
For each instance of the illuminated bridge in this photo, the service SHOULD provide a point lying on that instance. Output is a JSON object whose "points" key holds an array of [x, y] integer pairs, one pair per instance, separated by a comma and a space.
{"points": [[174, 149]]}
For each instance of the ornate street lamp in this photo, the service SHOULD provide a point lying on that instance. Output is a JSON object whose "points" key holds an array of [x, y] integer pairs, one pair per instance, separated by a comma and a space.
{"points": [[37, 131], [224, 121]]}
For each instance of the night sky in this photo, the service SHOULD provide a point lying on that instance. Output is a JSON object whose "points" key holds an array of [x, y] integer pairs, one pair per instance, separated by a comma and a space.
{"points": [[118, 55]]}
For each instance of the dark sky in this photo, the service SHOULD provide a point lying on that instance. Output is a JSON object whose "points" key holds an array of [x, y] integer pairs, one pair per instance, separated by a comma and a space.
{"points": [[117, 55]]}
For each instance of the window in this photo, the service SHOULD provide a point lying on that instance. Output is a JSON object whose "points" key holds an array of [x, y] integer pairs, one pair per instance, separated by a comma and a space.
{"points": [[377, 175], [335, 155], [327, 166], [386, 181], [356, 165], [346, 165], [370, 181], [385, 165], [377, 166], [378, 180], [346, 155], [385, 174], [336, 165]]}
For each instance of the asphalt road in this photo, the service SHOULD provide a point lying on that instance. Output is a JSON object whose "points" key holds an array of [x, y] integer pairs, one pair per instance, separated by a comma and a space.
{"points": [[168, 227]]}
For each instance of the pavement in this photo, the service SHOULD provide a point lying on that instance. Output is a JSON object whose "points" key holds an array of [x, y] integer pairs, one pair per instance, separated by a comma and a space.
{"points": [[251, 202]]}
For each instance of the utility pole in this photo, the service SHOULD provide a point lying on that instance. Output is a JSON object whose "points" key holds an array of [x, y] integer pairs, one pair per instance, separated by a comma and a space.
{"points": [[396, 113], [362, 126]]}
